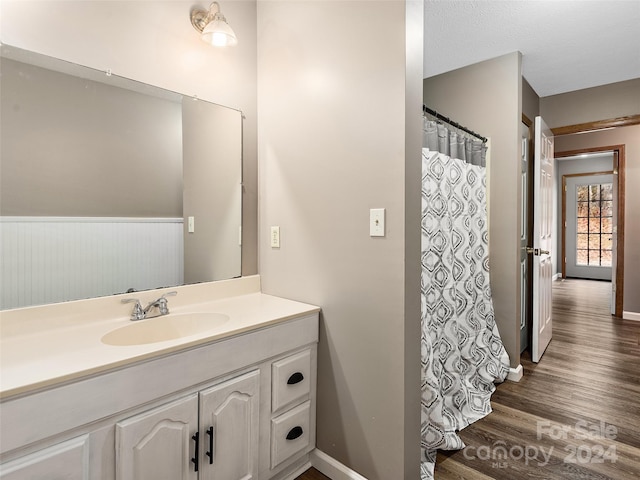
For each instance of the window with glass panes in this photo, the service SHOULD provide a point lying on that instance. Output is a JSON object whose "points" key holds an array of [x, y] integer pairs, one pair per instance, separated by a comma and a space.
{"points": [[594, 224]]}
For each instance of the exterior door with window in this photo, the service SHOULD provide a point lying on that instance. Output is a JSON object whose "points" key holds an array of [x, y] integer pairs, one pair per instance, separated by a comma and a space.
{"points": [[589, 226]]}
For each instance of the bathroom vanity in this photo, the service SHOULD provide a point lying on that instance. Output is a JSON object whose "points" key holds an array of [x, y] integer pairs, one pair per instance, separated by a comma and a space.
{"points": [[230, 401]]}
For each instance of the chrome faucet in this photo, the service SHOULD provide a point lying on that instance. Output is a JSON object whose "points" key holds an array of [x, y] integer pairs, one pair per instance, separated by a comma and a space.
{"points": [[161, 305]]}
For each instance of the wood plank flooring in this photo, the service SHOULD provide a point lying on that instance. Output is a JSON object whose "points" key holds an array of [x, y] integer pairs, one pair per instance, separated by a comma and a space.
{"points": [[312, 474], [574, 415]]}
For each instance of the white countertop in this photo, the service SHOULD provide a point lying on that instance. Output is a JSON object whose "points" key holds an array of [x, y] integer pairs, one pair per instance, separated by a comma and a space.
{"points": [[38, 352]]}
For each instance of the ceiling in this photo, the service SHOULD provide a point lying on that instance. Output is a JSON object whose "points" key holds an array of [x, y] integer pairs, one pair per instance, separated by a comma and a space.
{"points": [[566, 45]]}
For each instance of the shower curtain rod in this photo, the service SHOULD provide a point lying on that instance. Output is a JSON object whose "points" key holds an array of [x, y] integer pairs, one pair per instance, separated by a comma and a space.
{"points": [[452, 123]]}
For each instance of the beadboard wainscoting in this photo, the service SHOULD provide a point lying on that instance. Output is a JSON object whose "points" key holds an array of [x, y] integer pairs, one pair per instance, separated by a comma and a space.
{"points": [[56, 259]]}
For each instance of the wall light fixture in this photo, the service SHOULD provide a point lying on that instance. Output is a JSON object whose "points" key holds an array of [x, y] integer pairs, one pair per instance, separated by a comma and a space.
{"points": [[213, 26]]}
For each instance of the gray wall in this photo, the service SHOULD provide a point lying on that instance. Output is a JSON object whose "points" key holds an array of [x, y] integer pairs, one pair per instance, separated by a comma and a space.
{"points": [[76, 147], [486, 97], [592, 104], [332, 145], [601, 103], [530, 101], [212, 190]]}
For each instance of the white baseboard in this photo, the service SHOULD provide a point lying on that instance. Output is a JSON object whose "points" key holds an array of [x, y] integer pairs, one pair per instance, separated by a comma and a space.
{"points": [[332, 468], [555, 277], [515, 374], [631, 316]]}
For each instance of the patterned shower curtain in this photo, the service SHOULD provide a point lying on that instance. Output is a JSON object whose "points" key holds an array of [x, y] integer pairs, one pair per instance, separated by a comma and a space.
{"points": [[462, 353]]}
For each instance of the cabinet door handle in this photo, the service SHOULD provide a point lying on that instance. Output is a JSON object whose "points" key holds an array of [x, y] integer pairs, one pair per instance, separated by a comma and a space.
{"points": [[294, 433], [295, 378], [210, 452], [195, 438]]}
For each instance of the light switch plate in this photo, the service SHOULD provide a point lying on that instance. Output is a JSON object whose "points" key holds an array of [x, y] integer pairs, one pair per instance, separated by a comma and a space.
{"points": [[376, 222], [275, 237], [191, 224]]}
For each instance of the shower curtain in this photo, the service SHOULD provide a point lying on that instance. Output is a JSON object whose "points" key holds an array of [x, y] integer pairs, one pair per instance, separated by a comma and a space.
{"points": [[462, 353]]}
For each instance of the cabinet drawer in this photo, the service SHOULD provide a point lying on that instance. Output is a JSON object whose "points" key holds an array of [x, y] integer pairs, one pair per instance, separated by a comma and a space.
{"points": [[291, 380], [290, 433]]}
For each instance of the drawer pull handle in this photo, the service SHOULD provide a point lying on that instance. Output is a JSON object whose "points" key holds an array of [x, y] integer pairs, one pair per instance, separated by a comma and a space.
{"points": [[195, 458], [210, 452], [295, 378], [294, 433]]}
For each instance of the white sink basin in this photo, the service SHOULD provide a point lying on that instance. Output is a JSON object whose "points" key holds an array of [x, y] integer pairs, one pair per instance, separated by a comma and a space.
{"points": [[161, 329]]}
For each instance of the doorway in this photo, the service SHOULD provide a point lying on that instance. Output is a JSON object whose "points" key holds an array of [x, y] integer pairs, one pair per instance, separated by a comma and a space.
{"points": [[617, 169], [616, 165]]}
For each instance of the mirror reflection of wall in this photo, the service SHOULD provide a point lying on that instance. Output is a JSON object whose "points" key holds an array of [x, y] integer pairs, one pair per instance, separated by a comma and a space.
{"points": [[214, 205], [91, 192]]}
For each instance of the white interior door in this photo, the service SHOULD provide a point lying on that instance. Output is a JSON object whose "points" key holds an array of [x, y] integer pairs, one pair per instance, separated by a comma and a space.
{"points": [[524, 202], [542, 238]]}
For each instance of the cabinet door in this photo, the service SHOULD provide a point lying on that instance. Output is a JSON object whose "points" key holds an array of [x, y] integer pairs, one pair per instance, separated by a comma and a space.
{"points": [[158, 443], [65, 461], [229, 429]]}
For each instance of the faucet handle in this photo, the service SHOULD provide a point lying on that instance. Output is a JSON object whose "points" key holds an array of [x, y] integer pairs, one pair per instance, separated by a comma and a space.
{"points": [[163, 304], [137, 313]]}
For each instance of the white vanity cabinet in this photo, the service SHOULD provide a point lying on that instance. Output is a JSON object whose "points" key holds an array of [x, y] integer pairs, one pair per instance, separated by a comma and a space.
{"points": [[212, 434], [249, 398]]}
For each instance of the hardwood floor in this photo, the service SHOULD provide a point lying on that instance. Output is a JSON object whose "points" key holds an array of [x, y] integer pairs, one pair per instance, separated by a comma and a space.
{"points": [[312, 474], [574, 415]]}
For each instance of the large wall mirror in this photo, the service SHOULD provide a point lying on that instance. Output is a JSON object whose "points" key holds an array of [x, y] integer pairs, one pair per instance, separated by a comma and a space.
{"points": [[108, 185]]}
